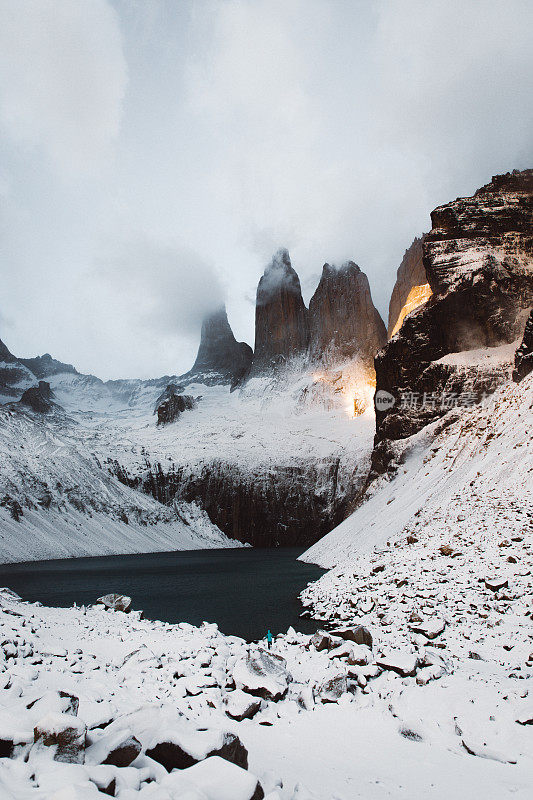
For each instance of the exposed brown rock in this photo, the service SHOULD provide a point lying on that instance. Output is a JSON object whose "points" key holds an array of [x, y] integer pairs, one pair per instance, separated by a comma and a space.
{"points": [[343, 320], [220, 354], [411, 289], [478, 259], [39, 398], [281, 318], [170, 405], [524, 354]]}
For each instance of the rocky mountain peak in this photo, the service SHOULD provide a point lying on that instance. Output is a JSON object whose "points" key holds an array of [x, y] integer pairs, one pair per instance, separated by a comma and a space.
{"points": [[343, 320], [45, 366], [278, 276], [5, 354], [281, 318], [478, 259], [219, 352]]}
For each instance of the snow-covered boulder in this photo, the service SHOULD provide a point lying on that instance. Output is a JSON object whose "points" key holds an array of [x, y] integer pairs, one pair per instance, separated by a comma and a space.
{"points": [[239, 705], [115, 602], [358, 634], [430, 628], [262, 674], [14, 730], [496, 583], [403, 663], [180, 749], [117, 749], [323, 641], [332, 690], [65, 733], [213, 779], [56, 702]]}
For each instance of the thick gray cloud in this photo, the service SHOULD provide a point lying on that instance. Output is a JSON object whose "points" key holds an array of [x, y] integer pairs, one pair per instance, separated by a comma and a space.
{"points": [[155, 151]]}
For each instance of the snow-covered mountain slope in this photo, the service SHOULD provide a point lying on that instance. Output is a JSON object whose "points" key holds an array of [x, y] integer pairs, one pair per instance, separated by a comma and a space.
{"points": [[264, 458], [469, 473], [277, 461], [57, 500]]}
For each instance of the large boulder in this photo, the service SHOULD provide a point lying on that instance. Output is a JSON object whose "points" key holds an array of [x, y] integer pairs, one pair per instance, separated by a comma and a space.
{"points": [[65, 733], [179, 749], [115, 602], [332, 689], [262, 674], [57, 702], [117, 749], [171, 405], [15, 729], [323, 641], [400, 662], [357, 633], [213, 779], [240, 705]]}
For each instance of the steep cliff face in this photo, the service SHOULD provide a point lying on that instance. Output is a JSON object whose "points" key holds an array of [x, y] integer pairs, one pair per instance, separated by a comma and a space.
{"points": [[343, 320], [478, 259], [281, 318], [15, 377], [220, 355], [411, 289], [524, 354], [292, 504]]}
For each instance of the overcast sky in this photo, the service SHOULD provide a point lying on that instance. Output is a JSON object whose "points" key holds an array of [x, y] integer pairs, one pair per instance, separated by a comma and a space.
{"points": [[155, 153]]}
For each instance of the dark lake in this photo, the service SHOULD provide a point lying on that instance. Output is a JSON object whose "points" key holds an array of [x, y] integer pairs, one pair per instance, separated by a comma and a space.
{"points": [[245, 591]]}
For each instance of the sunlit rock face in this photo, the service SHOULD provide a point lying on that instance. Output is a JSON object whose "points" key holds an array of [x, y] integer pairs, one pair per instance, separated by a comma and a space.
{"points": [[411, 289], [281, 318], [346, 332], [478, 259]]}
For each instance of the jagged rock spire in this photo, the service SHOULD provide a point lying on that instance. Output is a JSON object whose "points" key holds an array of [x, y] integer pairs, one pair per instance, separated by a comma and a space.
{"points": [[219, 351], [344, 322], [281, 318], [5, 354]]}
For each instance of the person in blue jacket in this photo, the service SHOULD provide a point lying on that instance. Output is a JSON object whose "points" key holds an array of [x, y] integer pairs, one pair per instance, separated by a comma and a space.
{"points": [[269, 639]]}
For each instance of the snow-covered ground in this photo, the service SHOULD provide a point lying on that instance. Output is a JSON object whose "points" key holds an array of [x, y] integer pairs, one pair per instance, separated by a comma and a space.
{"points": [[467, 475], [436, 566], [322, 717], [269, 421], [57, 500], [57, 467]]}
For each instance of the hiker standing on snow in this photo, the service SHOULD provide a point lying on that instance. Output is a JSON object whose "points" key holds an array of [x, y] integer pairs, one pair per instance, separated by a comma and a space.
{"points": [[269, 639]]}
